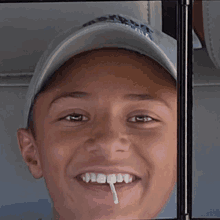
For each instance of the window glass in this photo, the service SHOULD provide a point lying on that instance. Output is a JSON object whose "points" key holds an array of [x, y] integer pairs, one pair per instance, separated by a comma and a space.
{"points": [[206, 111]]}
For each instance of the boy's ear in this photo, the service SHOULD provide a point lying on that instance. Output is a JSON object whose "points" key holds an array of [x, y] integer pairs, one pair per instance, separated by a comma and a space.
{"points": [[29, 152]]}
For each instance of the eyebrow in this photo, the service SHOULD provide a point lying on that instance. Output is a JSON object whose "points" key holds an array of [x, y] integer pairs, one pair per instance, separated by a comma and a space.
{"points": [[143, 97], [85, 95], [138, 97], [76, 95]]}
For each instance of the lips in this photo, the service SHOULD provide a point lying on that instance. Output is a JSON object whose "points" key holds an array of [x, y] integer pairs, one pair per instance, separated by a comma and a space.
{"points": [[93, 183]]}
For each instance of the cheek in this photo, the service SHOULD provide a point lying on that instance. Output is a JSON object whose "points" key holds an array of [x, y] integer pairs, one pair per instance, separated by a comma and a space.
{"points": [[60, 153], [60, 147], [166, 148], [164, 156], [56, 154], [56, 151], [160, 153], [159, 146]]}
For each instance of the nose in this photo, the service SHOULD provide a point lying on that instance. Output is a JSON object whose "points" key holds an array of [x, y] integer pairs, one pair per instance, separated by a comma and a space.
{"points": [[107, 140]]}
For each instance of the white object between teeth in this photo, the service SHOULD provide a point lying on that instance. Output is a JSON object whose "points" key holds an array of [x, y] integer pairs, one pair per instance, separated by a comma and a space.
{"points": [[111, 179]]}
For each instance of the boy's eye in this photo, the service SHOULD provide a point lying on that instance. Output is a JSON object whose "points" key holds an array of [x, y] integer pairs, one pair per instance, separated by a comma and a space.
{"points": [[76, 117], [135, 119], [140, 119]]}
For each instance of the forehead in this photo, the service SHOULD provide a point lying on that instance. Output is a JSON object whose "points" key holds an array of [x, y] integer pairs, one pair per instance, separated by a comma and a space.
{"points": [[112, 61]]}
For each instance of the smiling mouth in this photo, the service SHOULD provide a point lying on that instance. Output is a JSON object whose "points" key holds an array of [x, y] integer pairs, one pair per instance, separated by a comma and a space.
{"points": [[100, 180], [98, 184]]}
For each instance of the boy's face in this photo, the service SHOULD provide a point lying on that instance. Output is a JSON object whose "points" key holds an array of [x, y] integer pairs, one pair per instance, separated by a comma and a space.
{"points": [[94, 120]]}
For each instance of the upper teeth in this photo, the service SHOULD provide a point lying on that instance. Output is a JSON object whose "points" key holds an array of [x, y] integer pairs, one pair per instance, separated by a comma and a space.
{"points": [[102, 178]]}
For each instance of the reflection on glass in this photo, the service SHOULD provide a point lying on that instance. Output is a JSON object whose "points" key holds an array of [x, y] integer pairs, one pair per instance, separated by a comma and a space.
{"points": [[206, 178]]}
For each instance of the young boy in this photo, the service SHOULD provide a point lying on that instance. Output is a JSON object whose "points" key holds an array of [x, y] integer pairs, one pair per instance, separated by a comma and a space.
{"points": [[101, 121]]}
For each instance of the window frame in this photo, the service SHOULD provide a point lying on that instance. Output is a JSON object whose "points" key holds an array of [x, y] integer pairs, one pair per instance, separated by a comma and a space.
{"points": [[183, 34]]}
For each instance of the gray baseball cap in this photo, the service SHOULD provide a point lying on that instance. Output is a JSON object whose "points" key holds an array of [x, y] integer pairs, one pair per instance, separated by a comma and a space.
{"points": [[107, 31]]}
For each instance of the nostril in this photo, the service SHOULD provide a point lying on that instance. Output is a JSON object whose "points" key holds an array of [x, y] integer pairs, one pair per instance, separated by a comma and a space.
{"points": [[120, 150], [124, 141]]}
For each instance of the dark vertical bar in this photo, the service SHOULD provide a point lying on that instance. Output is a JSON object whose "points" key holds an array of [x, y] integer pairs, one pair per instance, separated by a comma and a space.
{"points": [[169, 17], [190, 112], [184, 85]]}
